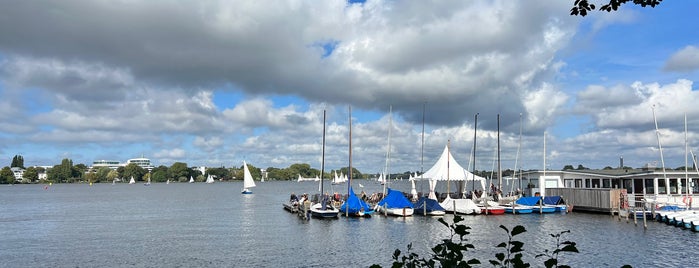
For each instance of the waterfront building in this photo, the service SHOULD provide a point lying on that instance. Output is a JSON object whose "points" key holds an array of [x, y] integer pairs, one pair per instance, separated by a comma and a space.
{"points": [[106, 163], [18, 172], [635, 181], [141, 162]]}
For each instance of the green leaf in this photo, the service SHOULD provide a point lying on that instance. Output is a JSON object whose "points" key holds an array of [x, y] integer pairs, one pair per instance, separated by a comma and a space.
{"points": [[500, 256], [518, 230], [570, 248], [550, 263]]}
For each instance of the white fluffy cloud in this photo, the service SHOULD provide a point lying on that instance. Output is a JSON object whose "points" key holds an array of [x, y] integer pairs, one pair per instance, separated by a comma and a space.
{"points": [[684, 60]]}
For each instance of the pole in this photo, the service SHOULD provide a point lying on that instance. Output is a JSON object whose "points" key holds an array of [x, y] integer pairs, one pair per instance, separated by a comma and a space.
{"points": [[499, 168], [473, 182], [422, 147], [660, 147], [349, 176], [322, 161]]}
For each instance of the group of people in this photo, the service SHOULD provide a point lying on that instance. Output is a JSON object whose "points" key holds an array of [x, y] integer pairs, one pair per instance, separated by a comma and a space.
{"points": [[294, 200]]}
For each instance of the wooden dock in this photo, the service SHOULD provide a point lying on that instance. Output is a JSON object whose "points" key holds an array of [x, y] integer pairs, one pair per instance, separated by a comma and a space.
{"points": [[598, 200]]}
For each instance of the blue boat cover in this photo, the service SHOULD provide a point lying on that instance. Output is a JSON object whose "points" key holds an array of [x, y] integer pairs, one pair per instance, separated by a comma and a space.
{"points": [[553, 200], [354, 204], [395, 199], [528, 200], [431, 204]]}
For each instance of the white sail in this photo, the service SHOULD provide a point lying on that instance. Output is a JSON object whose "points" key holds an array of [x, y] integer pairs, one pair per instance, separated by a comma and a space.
{"points": [[191, 179], [210, 179], [248, 182], [132, 181]]}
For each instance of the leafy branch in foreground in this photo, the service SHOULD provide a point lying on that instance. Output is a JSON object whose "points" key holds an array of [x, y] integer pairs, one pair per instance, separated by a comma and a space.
{"points": [[451, 252], [566, 246], [507, 259]]}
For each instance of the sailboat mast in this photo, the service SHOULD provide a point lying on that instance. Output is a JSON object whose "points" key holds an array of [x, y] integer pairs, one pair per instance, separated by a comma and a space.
{"points": [[322, 161], [422, 146], [686, 175], [388, 151], [660, 147], [544, 177], [499, 168], [349, 176], [519, 146], [475, 128]]}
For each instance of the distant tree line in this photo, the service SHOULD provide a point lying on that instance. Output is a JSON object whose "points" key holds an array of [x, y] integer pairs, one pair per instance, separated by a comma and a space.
{"points": [[66, 172]]}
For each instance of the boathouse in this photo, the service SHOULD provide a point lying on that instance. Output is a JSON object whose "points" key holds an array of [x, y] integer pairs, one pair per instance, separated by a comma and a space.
{"points": [[672, 186]]}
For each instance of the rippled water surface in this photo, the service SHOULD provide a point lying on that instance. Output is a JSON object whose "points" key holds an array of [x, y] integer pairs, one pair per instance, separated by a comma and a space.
{"points": [[213, 225]]}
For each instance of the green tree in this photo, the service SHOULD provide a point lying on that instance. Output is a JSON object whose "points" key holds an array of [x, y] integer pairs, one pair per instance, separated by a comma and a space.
{"points": [[62, 172], [31, 174], [135, 171], [17, 161], [7, 176], [120, 172], [112, 175], [159, 175], [301, 169], [78, 170], [178, 170], [221, 173], [91, 177], [103, 173], [568, 167], [582, 7]]}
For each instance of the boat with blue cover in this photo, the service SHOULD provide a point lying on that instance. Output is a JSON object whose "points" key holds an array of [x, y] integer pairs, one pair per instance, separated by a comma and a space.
{"points": [[355, 207], [428, 207], [395, 204], [557, 202]]}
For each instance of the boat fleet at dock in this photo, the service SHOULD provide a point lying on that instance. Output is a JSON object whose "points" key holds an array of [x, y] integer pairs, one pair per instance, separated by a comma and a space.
{"points": [[397, 203]]}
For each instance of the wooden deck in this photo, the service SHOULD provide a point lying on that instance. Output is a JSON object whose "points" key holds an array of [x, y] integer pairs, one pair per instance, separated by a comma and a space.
{"points": [[599, 200]]}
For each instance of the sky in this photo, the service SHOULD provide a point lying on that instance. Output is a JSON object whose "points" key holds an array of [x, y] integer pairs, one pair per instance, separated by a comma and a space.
{"points": [[216, 83]]}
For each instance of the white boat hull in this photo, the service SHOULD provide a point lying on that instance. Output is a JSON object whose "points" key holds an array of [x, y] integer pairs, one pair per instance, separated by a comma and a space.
{"points": [[329, 212], [401, 212]]}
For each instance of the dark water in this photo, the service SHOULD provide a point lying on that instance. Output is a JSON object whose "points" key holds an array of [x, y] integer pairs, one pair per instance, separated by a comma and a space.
{"points": [[200, 225]]}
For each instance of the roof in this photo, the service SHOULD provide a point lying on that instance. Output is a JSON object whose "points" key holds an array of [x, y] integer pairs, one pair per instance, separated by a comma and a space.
{"points": [[446, 168]]}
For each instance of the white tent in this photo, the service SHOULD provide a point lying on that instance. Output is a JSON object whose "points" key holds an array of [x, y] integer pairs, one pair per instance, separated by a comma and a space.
{"points": [[447, 168]]}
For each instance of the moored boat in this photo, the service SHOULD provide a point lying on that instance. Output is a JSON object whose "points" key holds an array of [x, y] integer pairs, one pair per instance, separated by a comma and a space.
{"points": [[460, 206], [355, 207], [395, 204], [428, 207]]}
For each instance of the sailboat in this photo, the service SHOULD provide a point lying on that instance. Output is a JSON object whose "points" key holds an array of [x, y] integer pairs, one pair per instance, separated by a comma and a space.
{"points": [[394, 202], [353, 206], [487, 206], [132, 181], [248, 182], [168, 181], [210, 179], [191, 179], [323, 209], [425, 205], [148, 182]]}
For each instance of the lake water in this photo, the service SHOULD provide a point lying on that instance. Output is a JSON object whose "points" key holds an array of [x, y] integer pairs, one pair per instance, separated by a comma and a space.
{"points": [[213, 225]]}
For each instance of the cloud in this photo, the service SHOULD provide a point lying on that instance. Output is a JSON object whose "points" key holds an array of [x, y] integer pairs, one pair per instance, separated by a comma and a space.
{"points": [[684, 60], [176, 153], [453, 54], [672, 101], [208, 144]]}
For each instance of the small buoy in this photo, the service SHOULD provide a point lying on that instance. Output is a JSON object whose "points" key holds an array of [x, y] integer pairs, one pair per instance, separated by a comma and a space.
{"points": [[46, 187]]}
